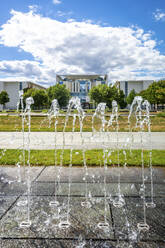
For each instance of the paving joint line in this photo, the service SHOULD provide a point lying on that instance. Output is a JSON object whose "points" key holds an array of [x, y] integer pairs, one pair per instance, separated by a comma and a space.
{"points": [[112, 219], [75, 239], [18, 197], [82, 196], [1, 217], [34, 180], [112, 182]]}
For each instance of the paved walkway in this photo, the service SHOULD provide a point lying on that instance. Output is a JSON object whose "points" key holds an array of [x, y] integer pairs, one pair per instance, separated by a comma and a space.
{"points": [[46, 140], [84, 231]]}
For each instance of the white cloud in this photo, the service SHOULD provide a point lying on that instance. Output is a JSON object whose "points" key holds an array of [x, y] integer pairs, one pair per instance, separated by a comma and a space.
{"points": [[56, 1], [64, 14], [26, 70], [159, 15], [34, 7], [79, 47]]}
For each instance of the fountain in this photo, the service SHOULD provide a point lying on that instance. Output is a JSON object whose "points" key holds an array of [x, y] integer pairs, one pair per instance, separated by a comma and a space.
{"points": [[54, 112], [29, 102], [74, 103], [119, 200], [137, 104], [141, 111], [146, 120], [21, 105], [100, 114]]}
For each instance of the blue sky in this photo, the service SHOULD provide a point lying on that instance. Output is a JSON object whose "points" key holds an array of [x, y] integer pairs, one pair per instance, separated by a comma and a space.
{"points": [[124, 39]]}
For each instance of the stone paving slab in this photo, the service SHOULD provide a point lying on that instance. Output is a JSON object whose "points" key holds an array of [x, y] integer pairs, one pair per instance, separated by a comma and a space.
{"points": [[19, 243], [79, 189], [5, 203], [11, 174], [155, 217], [45, 222], [84, 221], [96, 174], [45, 232], [96, 189], [13, 189], [119, 217], [46, 188], [133, 215], [16, 189], [35, 243], [159, 189]]}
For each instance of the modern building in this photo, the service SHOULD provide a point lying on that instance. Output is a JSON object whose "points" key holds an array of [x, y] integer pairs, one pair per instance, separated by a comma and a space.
{"points": [[12, 88], [79, 85], [138, 85]]}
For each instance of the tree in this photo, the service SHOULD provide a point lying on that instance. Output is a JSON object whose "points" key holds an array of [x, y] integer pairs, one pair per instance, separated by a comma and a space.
{"points": [[155, 93], [105, 93], [131, 96], [40, 97], [144, 94], [4, 98], [60, 93], [121, 99], [160, 93]]}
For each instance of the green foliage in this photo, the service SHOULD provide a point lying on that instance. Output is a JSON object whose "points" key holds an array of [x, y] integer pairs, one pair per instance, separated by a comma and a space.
{"points": [[4, 97], [160, 93], [60, 93], [28, 93], [25, 90], [155, 93], [131, 96], [104, 93], [121, 99], [40, 97]]}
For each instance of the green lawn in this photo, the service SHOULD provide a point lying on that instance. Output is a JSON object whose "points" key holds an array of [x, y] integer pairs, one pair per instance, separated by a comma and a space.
{"points": [[93, 157], [40, 123]]}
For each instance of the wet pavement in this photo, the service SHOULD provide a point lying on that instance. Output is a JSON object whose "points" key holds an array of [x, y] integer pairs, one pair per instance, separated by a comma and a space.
{"points": [[83, 231]]}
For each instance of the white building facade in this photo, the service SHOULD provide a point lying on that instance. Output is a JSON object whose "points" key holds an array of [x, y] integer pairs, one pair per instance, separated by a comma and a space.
{"points": [[138, 85], [80, 85], [12, 88]]}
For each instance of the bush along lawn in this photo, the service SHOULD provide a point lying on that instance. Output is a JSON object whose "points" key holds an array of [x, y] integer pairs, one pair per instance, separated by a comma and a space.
{"points": [[93, 157]]}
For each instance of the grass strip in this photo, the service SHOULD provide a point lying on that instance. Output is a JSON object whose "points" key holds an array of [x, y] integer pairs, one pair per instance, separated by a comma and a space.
{"points": [[38, 124], [93, 157]]}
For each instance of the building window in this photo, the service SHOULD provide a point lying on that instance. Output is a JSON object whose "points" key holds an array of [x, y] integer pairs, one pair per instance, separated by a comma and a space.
{"points": [[20, 86], [83, 86], [126, 89]]}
